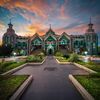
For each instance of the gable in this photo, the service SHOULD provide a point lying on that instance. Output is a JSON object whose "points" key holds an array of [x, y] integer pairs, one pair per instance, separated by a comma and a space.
{"points": [[63, 37], [36, 41], [50, 38]]}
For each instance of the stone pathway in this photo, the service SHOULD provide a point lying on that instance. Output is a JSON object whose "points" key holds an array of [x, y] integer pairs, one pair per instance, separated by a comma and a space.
{"points": [[51, 81]]}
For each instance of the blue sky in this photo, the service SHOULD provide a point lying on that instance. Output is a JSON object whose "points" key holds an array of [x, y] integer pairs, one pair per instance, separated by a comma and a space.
{"points": [[31, 16]]}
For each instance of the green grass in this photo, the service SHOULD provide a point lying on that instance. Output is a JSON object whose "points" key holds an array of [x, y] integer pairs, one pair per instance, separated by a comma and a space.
{"points": [[35, 58], [61, 59], [6, 66], [91, 65], [8, 85], [91, 84]]}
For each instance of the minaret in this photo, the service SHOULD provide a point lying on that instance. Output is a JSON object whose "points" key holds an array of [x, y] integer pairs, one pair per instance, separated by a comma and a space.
{"points": [[10, 37], [90, 27], [91, 39]]}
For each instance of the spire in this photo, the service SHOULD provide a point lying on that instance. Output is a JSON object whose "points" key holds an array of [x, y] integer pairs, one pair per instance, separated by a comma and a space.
{"points": [[50, 26], [90, 24], [10, 24]]}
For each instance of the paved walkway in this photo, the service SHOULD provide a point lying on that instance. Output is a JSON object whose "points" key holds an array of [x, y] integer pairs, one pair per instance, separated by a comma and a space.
{"points": [[51, 81]]}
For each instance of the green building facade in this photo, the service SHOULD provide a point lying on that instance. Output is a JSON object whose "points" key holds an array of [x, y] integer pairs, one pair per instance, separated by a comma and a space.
{"points": [[52, 42]]}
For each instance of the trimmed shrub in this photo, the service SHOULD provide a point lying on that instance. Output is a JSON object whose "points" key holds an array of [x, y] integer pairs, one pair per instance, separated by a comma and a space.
{"points": [[35, 58], [59, 54], [73, 58], [66, 56]]}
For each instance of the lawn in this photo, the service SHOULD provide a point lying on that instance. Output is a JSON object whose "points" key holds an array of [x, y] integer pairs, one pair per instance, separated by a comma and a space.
{"points": [[6, 66], [91, 65], [91, 84], [9, 84]]}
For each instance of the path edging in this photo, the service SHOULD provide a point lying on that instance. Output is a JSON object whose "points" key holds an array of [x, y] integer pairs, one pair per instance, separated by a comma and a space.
{"points": [[21, 66], [85, 68], [14, 69], [85, 94], [62, 62], [22, 88]]}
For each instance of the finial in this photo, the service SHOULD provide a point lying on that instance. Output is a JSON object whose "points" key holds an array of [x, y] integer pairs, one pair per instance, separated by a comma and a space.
{"points": [[50, 26], [10, 25]]}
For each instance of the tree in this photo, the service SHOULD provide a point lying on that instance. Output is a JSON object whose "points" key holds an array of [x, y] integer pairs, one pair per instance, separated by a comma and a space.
{"points": [[5, 50]]}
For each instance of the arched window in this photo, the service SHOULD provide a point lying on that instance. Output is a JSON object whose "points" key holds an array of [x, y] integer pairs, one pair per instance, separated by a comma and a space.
{"points": [[37, 42]]}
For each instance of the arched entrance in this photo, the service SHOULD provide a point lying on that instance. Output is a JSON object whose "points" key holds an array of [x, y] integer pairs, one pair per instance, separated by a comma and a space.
{"points": [[50, 50]]}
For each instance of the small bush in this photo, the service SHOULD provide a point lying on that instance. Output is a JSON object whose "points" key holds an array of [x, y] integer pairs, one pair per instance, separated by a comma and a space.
{"points": [[35, 58], [73, 58], [66, 56], [59, 54]]}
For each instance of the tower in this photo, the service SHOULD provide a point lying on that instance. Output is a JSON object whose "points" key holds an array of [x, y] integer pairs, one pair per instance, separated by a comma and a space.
{"points": [[91, 39], [10, 37]]}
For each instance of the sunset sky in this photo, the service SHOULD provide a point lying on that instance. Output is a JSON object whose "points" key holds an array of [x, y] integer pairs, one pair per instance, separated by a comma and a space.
{"points": [[31, 16]]}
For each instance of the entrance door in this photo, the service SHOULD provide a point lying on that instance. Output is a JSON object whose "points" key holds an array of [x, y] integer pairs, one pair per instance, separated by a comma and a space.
{"points": [[50, 52]]}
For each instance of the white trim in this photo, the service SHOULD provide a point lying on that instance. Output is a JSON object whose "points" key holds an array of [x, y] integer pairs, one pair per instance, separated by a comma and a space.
{"points": [[64, 35]]}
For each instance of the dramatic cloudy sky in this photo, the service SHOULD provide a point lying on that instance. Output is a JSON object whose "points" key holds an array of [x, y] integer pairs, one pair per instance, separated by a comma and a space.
{"points": [[31, 16]]}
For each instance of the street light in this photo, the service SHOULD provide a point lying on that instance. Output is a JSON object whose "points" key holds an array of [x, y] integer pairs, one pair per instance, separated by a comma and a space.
{"points": [[14, 53], [86, 53]]}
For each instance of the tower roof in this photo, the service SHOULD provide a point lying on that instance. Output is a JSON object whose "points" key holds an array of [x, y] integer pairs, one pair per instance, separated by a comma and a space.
{"points": [[10, 24], [50, 31], [90, 27]]}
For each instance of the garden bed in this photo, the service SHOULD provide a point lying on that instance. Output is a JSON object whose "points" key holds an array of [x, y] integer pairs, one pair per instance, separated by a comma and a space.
{"points": [[35, 58], [91, 83], [91, 65], [61, 59], [9, 84], [6, 66]]}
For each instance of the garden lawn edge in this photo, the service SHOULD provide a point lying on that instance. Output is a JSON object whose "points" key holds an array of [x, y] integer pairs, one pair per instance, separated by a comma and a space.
{"points": [[14, 69], [85, 68], [62, 62], [85, 94], [20, 67], [22, 88], [40, 63]]}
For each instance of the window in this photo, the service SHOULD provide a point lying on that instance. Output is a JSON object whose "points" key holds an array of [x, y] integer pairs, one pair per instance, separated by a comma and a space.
{"points": [[63, 42]]}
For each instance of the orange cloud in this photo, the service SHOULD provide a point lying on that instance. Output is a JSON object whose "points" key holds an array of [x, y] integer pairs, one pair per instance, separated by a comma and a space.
{"points": [[63, 15], [36, 28]]}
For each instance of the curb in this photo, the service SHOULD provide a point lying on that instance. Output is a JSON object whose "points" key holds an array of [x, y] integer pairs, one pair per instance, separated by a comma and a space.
{"points": [[14, 70], [85, 68], [21, 89], [62, 62], [30, 64], [80, 88], [20, 67]]}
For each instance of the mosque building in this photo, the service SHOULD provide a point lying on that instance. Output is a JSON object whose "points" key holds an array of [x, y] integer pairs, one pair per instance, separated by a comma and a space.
{"points": [[52, 42]]}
